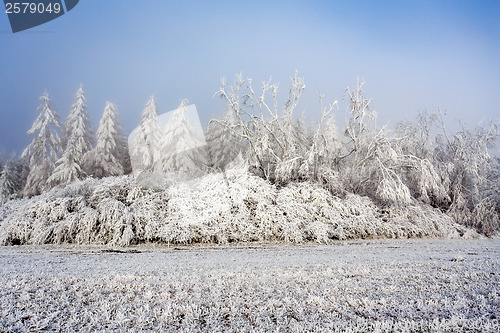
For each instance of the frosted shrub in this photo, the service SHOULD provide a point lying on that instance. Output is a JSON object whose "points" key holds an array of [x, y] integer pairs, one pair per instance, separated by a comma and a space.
{"points": [[484, 217], [111, 187], [217, 208], [116, 222]]}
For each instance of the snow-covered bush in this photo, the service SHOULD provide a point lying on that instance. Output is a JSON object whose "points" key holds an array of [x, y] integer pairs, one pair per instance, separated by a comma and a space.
{"points": [[235, 206]]}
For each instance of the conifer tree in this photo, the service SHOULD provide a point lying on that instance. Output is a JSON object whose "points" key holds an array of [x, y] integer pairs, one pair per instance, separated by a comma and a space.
{"points": [[78, 129], [223, 142], [78, 139], [145, 141], [45, 148], [10, 181], [105, 160], [180, 151]]}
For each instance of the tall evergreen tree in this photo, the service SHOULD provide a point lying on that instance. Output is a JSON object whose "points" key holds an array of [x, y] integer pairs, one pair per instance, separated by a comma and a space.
{"points": [[78, 141], [105, 159], [145, 141], [10, 181], [45, 148], [122, 150], [180, 151], [78, 129]]}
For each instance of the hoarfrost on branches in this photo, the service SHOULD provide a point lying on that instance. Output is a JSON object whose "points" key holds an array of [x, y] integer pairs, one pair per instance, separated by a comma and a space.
{"points": [[282, 180], [11, 180], [223, 144]]}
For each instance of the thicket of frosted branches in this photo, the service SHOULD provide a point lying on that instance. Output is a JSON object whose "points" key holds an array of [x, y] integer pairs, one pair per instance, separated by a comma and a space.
{"points": [[418, 161], [291, 182], [216, 208]]}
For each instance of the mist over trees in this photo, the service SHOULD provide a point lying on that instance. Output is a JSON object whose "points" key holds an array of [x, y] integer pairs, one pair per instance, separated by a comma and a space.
{"points": [[264, 174]]}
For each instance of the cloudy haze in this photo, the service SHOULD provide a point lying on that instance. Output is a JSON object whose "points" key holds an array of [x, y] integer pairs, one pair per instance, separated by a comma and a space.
{"points": [[414, 56]]}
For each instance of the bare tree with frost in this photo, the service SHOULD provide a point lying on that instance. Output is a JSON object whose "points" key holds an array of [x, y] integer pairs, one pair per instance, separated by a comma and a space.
{"points": [[269, 131], [464, 161], [45, 148], [106, 158], [180, 151], [147, 140], [319, 163]]}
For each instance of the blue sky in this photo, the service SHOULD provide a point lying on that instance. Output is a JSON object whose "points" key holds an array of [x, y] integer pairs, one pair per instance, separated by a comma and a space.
{"points": [[413, 55]]}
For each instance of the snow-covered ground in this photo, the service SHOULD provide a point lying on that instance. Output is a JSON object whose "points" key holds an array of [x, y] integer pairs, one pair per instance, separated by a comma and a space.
{"points": [[380, 285]]}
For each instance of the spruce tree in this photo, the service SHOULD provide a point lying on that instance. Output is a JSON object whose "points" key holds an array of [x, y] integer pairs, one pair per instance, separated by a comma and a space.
{"points": [[223, 142], [145, 141], [10, 181], [106, 158], [78, 139], [180, 151], [45, 148]]}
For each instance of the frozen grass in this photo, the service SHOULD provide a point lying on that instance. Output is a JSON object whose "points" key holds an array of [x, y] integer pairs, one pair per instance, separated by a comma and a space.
{"points": [[382, 285]]}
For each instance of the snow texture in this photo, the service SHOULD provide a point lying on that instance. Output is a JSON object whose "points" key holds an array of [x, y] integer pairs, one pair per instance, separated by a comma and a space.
{"points": [[362, 286]]}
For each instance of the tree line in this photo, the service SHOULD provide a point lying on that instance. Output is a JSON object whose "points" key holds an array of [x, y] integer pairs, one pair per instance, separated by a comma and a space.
{"points": [[416, 162], [60, 154]]}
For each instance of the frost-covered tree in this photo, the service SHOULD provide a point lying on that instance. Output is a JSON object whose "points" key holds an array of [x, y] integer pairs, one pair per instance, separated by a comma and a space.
{"points": [[78, 141], [77, 127], [303, 136], [122, 149], [45, 148], [223, 141], [464, 163], [106, 158], [10, 181], [180, 151], [320, 162], [146, 140], [67, 169], [266, 128]]}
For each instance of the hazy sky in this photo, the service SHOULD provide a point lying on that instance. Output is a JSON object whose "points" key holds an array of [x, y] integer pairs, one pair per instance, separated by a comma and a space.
{"points": [[413, 55]]}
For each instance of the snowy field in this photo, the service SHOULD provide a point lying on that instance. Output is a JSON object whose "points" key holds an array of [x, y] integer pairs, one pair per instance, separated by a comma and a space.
{"points": [[358, 286]]}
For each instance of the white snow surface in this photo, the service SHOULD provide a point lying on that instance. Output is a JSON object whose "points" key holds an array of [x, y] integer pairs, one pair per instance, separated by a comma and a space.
{"points": [[420, 285]]}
